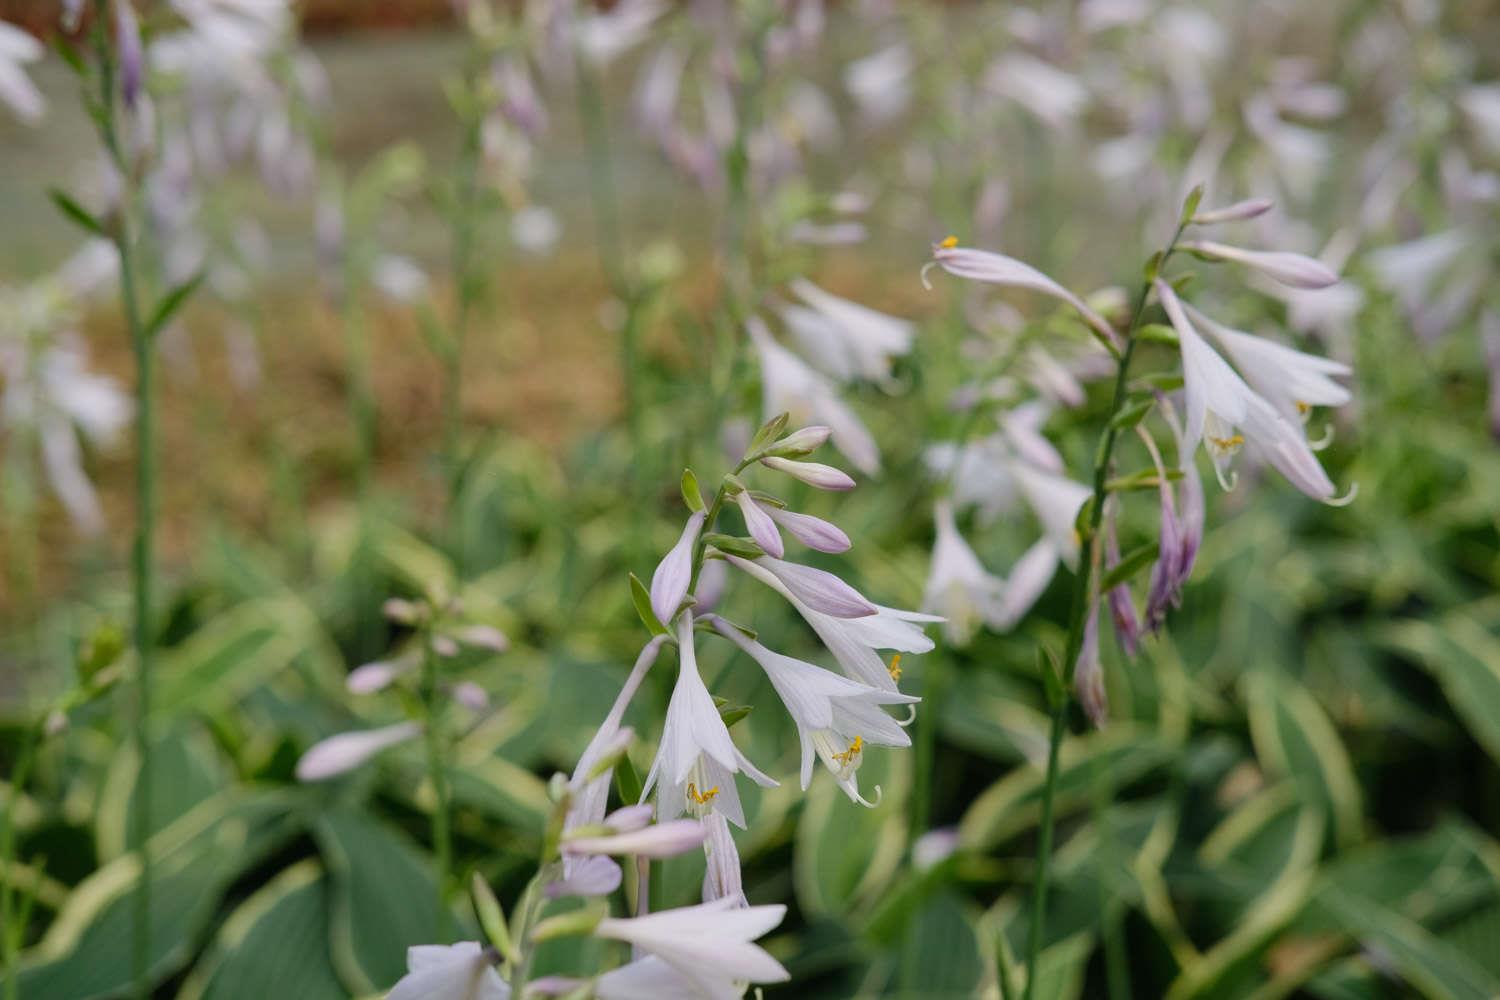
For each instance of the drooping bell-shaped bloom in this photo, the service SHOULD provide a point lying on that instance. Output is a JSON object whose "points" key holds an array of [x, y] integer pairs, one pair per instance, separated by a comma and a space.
{"points": [[342, 753], [1220, 404], [1290, 380], [674, 574], [790, 385], [462, 971], [958, 586], [836, 717], [855, 642], [851, 341], [998, 269], [1294, 269], [722, 878], [697, 761], [646, 978], [1181, 526], [17, 49], [711, 944]]}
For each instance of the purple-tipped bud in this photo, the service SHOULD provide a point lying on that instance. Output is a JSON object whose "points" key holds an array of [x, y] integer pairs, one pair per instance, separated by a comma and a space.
{"points": [[132, 57], [824, 477], [1292, 269], [801, 442], [1240, 211], [669, 584], [819, 589], [814, 532], [760, 525], [1121, 604], [1088, 675]]}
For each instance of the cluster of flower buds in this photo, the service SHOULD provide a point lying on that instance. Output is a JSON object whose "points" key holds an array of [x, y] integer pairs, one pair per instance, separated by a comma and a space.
{"points": [[442, 631]]}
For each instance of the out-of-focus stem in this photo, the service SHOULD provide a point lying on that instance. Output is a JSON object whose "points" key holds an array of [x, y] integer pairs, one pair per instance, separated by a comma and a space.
{"points": [[442, 837], [466, 209], [10, 939]]}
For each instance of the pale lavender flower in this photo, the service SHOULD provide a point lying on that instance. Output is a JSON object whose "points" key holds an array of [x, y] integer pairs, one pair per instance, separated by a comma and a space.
{"points": [[697, 760], [586, 875], [1294, 269], [1054, 96], [519, 101], [17, 49], [132, 60], [958, 586], [1489, 332], [998, 269], [711, 944], [790, 385], [342, 753], [399, 278], [1240, 211], [657, 840], [1121, 604], [934, 847], [853, 341], [836, 717], [1290, 380], [855, 642], [674, 574], [646, 978], [462, 971], [880, 83]]}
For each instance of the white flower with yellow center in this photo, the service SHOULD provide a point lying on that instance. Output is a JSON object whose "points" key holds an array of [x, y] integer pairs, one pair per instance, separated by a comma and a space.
{"points": [[837, 718], [697, 761]]}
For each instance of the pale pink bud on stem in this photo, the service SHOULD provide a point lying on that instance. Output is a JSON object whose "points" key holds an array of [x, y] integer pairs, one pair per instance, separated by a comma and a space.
{"points": [[132, 58], [669, 584], [824, 477], [814, 532], [1293, 269], [1088, 675], [1240, 211], [760, 525], [801, 442], [483, 637], [346, 751], [659, 840]]}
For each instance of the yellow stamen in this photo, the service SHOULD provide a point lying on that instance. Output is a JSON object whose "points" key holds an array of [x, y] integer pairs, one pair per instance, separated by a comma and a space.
{"points": [[949, 242], [702, 798], [895, 667], [1303, 408], [854, 751], [1225, 444]]}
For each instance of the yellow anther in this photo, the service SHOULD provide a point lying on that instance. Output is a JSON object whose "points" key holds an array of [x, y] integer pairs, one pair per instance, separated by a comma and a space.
{"points": [[702, 798], [854, 751], [949, 242], [1225, 444], [1303, 408], [895, 667]]}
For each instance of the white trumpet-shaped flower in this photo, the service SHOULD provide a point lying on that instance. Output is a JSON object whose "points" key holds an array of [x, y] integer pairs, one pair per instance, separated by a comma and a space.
{"points": [[855, 642], [697, 760], [1290, 380], [847, 340], [1227, 415], [958, 585], [722, 878], [711, 944], [998, 269], [346, 751], [460, 971], [837, 718]]}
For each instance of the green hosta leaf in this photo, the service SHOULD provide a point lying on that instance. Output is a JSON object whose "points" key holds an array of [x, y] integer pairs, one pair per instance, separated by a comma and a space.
{"points": [[384, 898], [940, 956], [171, 303], [186, 770], [1294, 738], [1434, 968], [845, 853], [86, 952], [1013, 804], [691, 494], [76, 213], [1465, 659], [232, 655], [274, 945], [1133, 562]]}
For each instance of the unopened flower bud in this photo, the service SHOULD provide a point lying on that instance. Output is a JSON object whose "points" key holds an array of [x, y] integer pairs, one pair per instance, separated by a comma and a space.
{"points": [[800, 442], [824, 477], [1293, 269], [1240, 211]]}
